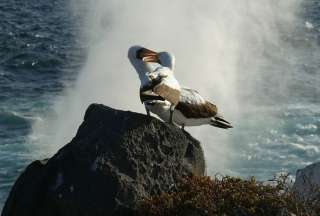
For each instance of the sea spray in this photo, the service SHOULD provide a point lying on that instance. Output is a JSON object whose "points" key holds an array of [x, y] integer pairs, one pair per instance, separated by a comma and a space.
{"points": [[219, 45]]}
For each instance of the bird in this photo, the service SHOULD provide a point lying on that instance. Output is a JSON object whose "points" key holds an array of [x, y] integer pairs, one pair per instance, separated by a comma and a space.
{"points": [[192, 110], [155, 70]]}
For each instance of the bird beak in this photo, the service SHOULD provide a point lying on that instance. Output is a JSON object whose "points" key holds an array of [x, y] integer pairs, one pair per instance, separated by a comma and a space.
{"points": [[150, 59], [147, 55]]}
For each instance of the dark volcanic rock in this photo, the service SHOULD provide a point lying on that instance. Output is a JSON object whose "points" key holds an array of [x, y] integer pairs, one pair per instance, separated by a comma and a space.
{"points": [[307, 182], [115, 160]]}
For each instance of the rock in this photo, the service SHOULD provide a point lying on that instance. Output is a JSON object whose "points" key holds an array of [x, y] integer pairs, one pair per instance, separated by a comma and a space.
{"points": [[307, 184], [116, 159]]}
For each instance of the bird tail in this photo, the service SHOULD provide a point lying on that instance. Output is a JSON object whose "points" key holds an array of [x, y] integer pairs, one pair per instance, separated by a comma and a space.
{"points": [[220, 122]]}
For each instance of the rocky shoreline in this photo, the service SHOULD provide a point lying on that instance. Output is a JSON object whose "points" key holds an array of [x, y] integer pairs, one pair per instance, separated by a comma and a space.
{"points": [[117, 159]]}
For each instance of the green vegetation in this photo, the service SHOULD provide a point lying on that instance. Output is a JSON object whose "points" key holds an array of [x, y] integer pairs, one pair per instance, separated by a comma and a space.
{"points": [[228, 196]]}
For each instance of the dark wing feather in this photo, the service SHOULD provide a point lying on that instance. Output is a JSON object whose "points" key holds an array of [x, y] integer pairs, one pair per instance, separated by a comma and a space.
{"points": [[192, 105], [206, 110]]}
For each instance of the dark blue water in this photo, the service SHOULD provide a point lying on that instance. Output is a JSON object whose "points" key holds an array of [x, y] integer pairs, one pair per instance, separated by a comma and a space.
{"points": [[41, 52]]}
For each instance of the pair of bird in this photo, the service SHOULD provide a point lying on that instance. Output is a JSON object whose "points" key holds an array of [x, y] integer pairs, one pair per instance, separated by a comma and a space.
{"points": [[162, 95]]}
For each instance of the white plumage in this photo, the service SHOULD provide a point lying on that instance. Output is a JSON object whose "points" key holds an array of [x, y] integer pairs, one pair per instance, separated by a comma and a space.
{"points": [[156, 74], [155, 71]]}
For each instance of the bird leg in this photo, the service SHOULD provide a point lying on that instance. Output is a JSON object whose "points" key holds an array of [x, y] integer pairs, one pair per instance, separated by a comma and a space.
{"points": [[148, 111], [171, 114]]}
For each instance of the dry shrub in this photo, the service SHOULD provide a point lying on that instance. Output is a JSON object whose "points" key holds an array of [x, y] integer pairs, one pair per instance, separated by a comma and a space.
{"points": [[227, 196]]}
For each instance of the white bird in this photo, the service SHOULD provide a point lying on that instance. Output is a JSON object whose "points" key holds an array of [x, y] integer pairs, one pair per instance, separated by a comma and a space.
{"points": [[192, 110], [157, 80]]}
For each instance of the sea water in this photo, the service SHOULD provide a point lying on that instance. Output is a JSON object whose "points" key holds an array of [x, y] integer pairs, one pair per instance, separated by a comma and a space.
{"points": [[47, 48]]}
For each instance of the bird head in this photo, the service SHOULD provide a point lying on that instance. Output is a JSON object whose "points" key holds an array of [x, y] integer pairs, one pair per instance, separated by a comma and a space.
{"points": [[147, 55]]}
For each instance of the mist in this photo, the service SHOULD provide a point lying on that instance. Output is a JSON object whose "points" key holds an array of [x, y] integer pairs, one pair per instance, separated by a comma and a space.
{"points": [[219, 47]]}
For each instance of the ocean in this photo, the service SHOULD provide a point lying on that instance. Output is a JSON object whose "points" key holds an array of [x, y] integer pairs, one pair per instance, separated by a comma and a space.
{"points": [[47, 47]]}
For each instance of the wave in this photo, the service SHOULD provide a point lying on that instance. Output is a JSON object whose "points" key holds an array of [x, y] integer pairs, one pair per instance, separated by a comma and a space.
{"points": [[32, 60], [12, 118]]}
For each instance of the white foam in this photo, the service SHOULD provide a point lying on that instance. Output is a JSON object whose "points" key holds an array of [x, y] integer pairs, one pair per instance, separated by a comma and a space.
{"points": [[309, 25], [307, 127], [304, 147], [216, 44]]}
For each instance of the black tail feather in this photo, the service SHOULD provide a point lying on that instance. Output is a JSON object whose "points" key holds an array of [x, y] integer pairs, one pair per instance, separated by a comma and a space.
{"points": [[220, 123], [223, 120]]}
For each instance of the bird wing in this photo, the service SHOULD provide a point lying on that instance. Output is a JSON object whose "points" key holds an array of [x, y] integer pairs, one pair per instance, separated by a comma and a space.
{"points": [[167, 92], [191, 96], [193, 105], [168, 87]]}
